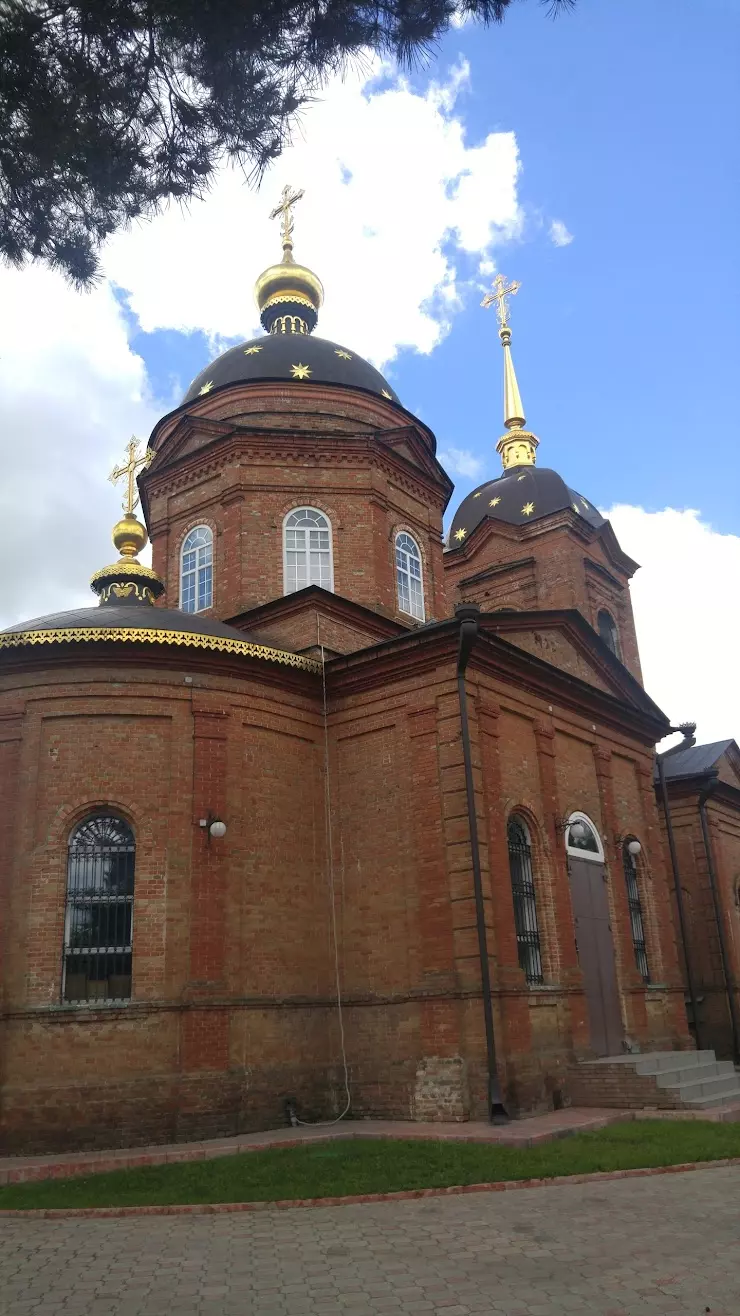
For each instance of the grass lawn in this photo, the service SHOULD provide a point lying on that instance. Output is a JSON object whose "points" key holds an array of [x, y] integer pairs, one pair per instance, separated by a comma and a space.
{"points": [[369, 1166]]}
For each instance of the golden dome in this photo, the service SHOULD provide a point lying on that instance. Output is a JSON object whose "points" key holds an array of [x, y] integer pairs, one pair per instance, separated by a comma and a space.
{"points": [[288, 295], [129, 536]]}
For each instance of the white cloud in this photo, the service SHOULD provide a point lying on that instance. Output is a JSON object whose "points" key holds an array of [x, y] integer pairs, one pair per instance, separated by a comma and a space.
{"points": [[71, 394], [559, 233], [396, 198], [460, 461], [688, 626]]}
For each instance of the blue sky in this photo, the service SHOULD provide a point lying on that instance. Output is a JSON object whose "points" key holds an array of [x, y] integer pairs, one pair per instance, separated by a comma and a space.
{"points": [[626, 341], [619, 122]]}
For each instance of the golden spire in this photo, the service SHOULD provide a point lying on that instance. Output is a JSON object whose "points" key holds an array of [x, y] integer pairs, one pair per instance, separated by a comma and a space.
{"points": [[288, 295], [128, 580], [518, 447]]}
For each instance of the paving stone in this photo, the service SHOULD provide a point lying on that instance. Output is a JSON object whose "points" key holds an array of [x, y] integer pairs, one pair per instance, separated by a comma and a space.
{"points": [[658, 1246]]}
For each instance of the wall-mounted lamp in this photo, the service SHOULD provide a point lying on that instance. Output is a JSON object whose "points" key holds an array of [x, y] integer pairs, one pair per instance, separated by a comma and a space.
{"points": [[214, 827], [633, 847], [578, 829]]}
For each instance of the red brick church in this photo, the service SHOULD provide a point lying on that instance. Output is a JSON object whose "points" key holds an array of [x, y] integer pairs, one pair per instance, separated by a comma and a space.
{"points": [[321, 815]]}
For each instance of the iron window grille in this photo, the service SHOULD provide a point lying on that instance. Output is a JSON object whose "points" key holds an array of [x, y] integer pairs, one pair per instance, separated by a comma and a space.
{"points": [[635, 908], [525, 904], [99, 911], [409, 582]]}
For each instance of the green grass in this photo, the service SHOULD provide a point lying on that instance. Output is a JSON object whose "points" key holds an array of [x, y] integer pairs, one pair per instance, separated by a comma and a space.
{"points": [[369, 1166]]}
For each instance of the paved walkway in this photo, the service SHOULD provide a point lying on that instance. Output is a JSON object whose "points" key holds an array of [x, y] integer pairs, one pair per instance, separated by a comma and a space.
{"points": [[662, 1246]]}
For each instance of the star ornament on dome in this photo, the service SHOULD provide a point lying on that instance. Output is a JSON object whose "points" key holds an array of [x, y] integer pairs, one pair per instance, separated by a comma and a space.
{"points": [[252, 351], [494, 502], [460, 535], [206, 387], [477, 495], [386, 394], [346, 356], [527, 509], [576, 508], [301, 372]]}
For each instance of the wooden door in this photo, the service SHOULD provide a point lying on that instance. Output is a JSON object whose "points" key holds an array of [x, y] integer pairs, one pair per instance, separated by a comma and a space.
{"points": [[596, 954]]}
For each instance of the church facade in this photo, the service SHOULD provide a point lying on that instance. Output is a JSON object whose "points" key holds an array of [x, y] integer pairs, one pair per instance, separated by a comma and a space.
{"points": [[320, 815]]}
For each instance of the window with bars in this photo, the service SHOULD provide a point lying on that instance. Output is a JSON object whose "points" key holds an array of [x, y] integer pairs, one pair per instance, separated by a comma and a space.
{"points": [[307, 550], [409, 582], [634, 903], [196, 570], [525, 904], [99, 911]]}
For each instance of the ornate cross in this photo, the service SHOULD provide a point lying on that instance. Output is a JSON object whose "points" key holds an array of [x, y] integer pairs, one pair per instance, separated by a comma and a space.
{"points": [[136, 460], [499, 296], [286, 210]]}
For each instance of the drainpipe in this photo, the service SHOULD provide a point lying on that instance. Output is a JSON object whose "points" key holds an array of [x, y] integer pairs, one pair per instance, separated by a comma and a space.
{"points": [[726, 971], [678, 890], [468, 614]]}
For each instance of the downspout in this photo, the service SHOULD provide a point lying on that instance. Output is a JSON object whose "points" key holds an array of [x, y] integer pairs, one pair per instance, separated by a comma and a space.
{"points": [[468, 614], [679, 892], [726, 971]]}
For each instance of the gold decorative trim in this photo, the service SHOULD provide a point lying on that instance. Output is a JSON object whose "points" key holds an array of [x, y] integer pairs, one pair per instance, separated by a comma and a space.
{"points": [[123, 569], [279, 297], [149, 635], [126, 590]]}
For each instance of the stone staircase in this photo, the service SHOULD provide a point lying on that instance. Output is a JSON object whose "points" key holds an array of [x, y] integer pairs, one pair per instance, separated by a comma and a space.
{"points": [[664, 1080]]}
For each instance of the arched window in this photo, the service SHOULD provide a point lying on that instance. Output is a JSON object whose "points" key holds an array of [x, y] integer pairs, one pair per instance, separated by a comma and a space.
{"points": [[99, 910], [525, 904], [629, 863], [307, 550], [608, 631], [196, 570], [409, 582], [582, 838]]}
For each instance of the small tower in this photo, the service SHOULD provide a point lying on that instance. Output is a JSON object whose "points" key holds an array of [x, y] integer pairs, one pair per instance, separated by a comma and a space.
{"points": [[527, 541]]}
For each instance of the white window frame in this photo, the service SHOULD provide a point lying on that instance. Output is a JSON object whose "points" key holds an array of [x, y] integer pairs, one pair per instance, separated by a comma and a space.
{"points": [[306, 507], [575, 850], [409, 612], [199, 567]]}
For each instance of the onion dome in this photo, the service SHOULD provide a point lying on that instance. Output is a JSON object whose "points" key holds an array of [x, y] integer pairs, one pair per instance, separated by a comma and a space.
{"points": [[525, 492], [127, 580], [289, 297]]}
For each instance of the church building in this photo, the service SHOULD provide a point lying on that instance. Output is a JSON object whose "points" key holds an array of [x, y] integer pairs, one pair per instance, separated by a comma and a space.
{"points": [[321, 815]]}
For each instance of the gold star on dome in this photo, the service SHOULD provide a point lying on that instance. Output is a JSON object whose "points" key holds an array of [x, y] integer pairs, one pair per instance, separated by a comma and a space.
{"points": [[207, 387], [494, 502], [386, 394], [460, 535], [339, 351], [301, 372], [478, 494], [252, 351], [520, 477], [585, 504], [527, 509], [576, 508]]}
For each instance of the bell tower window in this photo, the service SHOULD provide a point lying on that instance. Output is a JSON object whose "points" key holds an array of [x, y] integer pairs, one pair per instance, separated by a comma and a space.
{"points": [[409, 581], [196, 570], [307, 552], [608, 631]]}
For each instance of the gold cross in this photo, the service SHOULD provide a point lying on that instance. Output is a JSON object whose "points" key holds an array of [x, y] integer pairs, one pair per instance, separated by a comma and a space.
{"points": [[286, 210], [503, 290], [136, 460]]}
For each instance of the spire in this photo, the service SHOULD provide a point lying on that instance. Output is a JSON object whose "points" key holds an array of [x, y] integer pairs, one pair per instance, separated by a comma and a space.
{"points": [[128, 580], [518, 447], [288, 295]]}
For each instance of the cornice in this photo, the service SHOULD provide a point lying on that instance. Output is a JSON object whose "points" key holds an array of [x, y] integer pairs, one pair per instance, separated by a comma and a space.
{"points": [[151, 635]]}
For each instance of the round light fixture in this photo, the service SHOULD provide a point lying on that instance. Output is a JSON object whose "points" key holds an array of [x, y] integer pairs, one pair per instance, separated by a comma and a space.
{"points": [[217, 828], [578, 831], [634, 848]]}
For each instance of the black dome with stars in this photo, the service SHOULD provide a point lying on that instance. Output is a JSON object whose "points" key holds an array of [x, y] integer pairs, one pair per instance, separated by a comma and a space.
{"points": [[290, 356], [522, 494]]}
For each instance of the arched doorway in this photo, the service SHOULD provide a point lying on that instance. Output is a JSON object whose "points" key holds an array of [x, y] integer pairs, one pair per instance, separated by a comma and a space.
{"points": [[594, 941]]}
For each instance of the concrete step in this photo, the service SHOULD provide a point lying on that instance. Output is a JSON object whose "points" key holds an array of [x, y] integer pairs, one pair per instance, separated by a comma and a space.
{"points": [[690, 1073], [652, 1062], [718, 1089]]}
